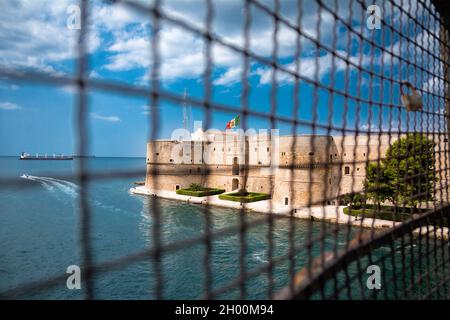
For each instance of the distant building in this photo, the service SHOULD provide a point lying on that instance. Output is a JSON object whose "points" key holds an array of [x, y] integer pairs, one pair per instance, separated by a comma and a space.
{"points": [[313, 171]]}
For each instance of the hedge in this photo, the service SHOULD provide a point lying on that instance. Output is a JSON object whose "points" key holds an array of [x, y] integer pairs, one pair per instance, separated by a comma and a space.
{"points": [[249, 197], [200, 193], [387, 213], [373, 213]]}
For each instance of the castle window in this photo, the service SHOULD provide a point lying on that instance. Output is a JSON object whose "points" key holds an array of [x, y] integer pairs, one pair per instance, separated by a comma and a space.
{"points": [[177, 187], [364, 154], [345, 154], [329, 180], [286, 201], [357, 169], [445, 140], [311, 153], [347, 170], [171, 160], [268, 149], [331, 157], [235, 167], [198, 169], [157, 154]]}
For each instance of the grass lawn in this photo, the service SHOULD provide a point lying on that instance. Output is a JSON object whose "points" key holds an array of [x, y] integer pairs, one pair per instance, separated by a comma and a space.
{"points": [[200, 193], [245, 197], [374, 213], [386, 213]]}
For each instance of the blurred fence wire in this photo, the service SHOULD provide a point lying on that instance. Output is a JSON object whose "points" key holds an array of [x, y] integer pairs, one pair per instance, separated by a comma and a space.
{"points": [[413, 46]]}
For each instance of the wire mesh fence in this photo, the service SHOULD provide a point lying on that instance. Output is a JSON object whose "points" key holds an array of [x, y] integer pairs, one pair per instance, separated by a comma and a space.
{"points": [[371, 176]]}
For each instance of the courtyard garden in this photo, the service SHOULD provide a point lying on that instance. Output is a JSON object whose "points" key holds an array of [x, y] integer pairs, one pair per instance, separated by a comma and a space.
{"points": [[244, 196], [197, 190]]}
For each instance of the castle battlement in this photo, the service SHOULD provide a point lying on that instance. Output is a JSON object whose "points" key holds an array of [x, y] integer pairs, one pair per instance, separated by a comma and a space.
{"points": [[295, 170]]}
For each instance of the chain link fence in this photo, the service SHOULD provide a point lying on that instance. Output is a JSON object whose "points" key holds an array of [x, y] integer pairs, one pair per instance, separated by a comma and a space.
{"points": [[396, 216]]}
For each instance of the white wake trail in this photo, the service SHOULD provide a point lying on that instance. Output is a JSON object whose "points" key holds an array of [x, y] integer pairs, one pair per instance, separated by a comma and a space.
{"points": [[67, 187], [43, 183]]}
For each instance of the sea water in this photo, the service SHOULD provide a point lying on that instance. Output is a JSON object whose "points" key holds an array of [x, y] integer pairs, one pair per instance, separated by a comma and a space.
{"points": [[40, 237]]}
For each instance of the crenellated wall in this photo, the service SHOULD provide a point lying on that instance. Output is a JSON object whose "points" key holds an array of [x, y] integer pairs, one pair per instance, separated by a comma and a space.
{"points": [[312, 170]]}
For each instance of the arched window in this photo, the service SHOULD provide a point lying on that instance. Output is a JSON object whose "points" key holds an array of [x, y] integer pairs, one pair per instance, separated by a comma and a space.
{"points": [[234, 184]]}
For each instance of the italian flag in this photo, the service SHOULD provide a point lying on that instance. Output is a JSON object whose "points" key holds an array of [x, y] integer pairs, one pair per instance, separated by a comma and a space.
{"points": [[233, 123]]}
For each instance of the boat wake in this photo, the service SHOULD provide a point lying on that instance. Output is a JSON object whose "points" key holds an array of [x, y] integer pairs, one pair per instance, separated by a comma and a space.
{"points": [[260, 257], [52, 184], [66, 187]]}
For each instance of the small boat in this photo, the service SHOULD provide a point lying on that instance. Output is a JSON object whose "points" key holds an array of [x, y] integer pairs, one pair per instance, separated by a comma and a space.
{"points": [[27, 156]]}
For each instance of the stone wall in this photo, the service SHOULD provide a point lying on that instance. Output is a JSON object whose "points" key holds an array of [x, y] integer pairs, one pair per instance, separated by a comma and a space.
{"points": [[313, 171]]}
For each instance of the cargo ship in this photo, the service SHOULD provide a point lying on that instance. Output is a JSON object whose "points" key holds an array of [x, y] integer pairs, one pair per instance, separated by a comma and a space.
{"points": [[27, 156]]}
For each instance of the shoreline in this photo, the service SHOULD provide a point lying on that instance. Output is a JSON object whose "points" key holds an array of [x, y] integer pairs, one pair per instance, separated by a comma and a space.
{"points": [[330, 213]]}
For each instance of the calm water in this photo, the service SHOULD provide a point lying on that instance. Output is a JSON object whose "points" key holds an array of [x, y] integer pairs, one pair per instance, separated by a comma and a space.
{"points": [[39, 236]]}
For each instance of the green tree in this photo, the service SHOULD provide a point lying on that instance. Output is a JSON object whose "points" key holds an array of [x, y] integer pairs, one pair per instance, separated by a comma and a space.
{"points": [[377, 184], [406, 175], [355, 200]]}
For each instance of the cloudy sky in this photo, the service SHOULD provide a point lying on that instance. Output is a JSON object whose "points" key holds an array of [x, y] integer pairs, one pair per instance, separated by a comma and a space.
{"points": [[34, 35]]}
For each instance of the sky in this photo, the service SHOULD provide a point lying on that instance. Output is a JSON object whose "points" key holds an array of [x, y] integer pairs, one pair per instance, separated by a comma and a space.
{"points": [[40, 118]]}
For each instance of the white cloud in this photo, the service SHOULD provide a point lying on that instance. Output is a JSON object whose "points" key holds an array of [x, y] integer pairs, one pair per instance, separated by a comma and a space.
{"points": [[34, 34], [434, 85], [97, 116], [386, 126], [70, 89], [129, 54], [146, 110], [182, 53], [9, 106], [308, 67], [231, 76], [8, 86], [374, 127], [114, 17]]}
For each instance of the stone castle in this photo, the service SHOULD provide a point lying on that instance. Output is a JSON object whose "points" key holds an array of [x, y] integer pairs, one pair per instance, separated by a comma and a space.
{"points": [[297, 171]]}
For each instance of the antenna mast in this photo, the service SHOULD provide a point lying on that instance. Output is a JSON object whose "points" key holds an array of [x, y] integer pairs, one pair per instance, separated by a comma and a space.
{"points": [[186, 112]]}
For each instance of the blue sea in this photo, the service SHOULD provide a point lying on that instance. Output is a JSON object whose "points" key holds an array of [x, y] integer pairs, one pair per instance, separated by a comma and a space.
{"points": [[39, 236]]}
